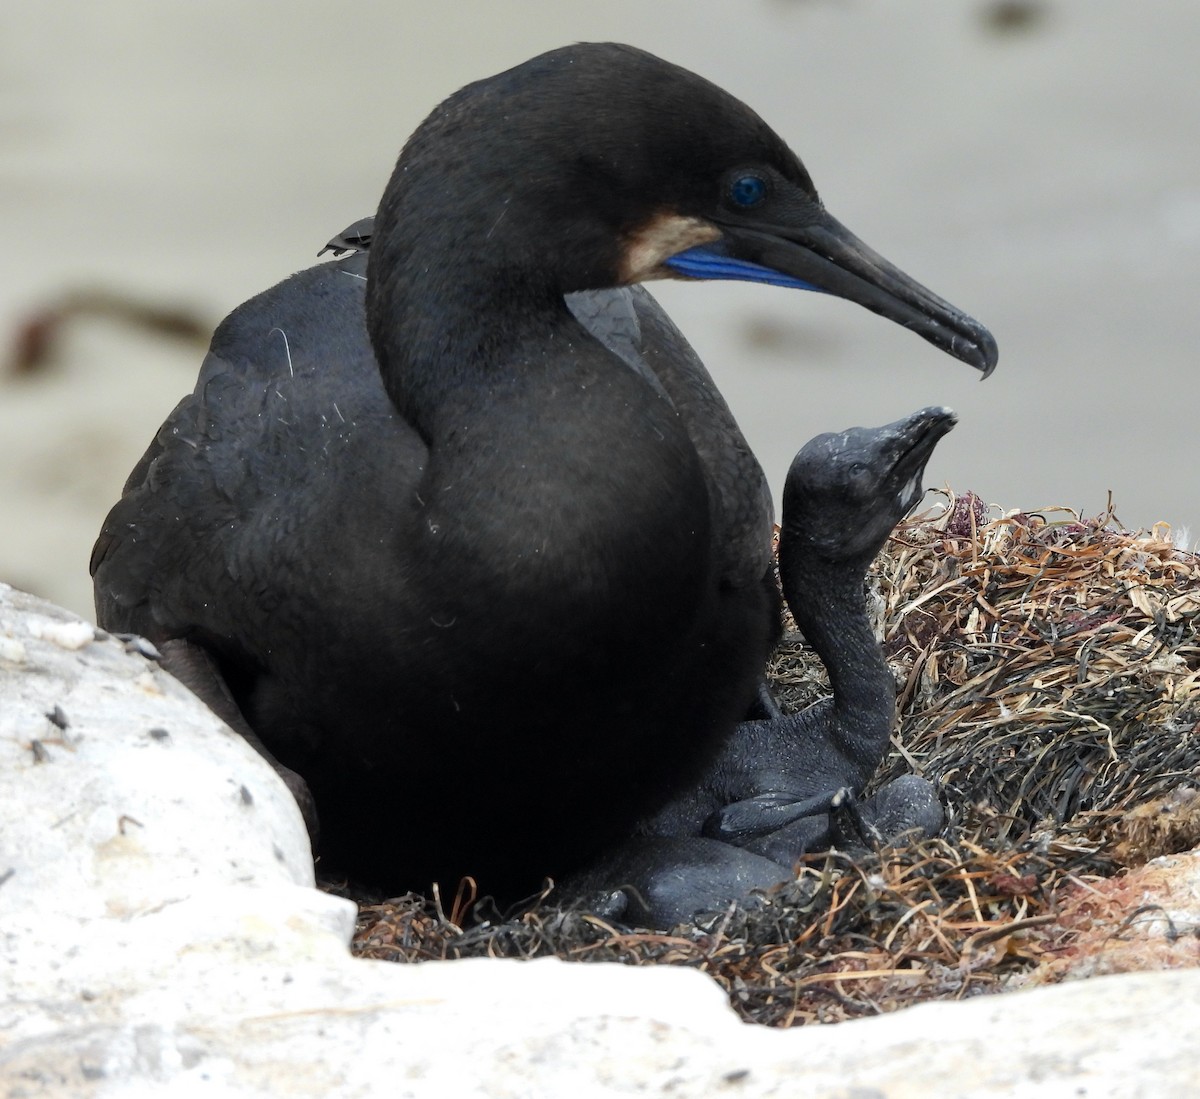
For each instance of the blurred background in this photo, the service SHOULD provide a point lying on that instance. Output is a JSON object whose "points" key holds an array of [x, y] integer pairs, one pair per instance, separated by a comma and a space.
{"points": [[1036, 162]]}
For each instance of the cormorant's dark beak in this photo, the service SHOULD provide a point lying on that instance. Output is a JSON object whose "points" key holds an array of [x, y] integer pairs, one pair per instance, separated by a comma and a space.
{"points": [[905, 447], [824, 255], [910, 442]]}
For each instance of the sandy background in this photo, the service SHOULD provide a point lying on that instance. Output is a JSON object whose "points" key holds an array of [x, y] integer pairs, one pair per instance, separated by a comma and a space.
{"points": [[1039, 169]]}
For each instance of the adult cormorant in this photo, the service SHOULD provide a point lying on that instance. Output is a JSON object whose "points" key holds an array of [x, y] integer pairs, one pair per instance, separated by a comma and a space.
{"points": [[490, 573]]}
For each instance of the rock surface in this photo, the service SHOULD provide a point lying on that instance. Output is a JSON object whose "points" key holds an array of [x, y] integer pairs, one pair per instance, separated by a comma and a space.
{"points": [[159, 932]]}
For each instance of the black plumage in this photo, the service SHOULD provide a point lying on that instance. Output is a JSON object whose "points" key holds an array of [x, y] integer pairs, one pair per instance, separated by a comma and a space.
{"points": [[486, 569]]}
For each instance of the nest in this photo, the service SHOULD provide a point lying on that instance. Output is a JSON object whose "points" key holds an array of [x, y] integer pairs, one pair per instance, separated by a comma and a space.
{"points": [[1050, 667], [1048, 671]]}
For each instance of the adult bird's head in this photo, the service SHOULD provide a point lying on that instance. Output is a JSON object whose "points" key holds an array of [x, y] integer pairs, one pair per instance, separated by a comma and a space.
{"points": [[598, 165]]}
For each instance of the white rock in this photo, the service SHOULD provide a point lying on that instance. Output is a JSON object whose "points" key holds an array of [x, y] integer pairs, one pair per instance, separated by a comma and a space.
{"points": [[144, 797], [12, 650], [68, 635], [159, 935]]}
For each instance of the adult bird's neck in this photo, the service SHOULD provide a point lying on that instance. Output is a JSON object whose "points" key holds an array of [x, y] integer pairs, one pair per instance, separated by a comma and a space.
{"points": [[582, 473], [453, 315]]}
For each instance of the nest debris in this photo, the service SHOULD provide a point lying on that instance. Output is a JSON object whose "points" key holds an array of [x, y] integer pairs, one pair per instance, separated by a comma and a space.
{"points": [[1048, 671], [1051, 666]]}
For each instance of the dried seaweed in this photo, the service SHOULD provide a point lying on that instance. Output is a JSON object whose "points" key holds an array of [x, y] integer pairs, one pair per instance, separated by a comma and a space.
{"points": [[933, 921], [1050, 666], [1048, 671]]}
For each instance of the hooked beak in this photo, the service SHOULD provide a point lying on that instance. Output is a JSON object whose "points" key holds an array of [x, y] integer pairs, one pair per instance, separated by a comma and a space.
{"points": [[908, 444], [824, 255]]}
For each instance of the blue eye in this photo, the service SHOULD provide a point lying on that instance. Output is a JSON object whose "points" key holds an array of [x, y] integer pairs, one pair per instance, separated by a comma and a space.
{"points": [[747, 191]]}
